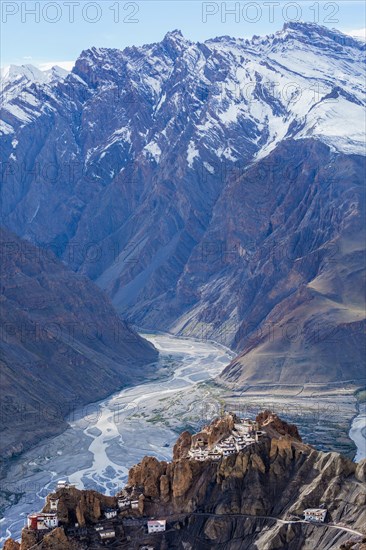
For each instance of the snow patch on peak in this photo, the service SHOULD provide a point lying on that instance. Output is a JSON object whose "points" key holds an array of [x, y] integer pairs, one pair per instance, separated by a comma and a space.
{"points": [[153, 83], [176, 34], [154, 150], [192, 153], [56, 73], [32, 74], [358, 34], [231, 114], [5, 129], [209, 167], [320, 33], [338, 123]]}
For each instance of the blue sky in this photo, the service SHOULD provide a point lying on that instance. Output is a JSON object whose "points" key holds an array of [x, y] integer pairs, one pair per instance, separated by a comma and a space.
{"points": [[49, 32]]}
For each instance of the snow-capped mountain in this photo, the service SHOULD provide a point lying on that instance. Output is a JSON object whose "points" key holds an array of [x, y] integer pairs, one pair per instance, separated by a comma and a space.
{"points": [[29, 73], [22, 89], [303, 81], [163, 172]]}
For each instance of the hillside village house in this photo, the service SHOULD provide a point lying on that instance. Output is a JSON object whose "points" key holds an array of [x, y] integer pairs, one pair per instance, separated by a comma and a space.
{"points": [[41, 521], [246, 432], [199, 453], [110, 513], [156, 525], [53, 504], [214, 455], [63, 484], [227, 446], [315, 514], [124, 502], [134, 504], [107, 534]]}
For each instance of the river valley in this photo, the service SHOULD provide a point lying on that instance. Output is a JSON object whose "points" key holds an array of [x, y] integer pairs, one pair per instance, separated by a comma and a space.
{"points": [[105, 439]]}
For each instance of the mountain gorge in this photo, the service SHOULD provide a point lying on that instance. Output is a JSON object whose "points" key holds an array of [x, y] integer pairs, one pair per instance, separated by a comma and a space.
{"points": [[211, 189], [62, 345]]}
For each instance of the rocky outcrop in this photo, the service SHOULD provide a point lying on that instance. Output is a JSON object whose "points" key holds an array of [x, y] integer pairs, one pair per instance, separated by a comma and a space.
{"points": [[62, 345], [53, 540], [218, 429], [11, 544], [57, 540], [361, 471], [271, 423], [250, 499], [182, 446], [355, 543], [82, 507], [209, 435], [147, 475], [278, 464], [29, 539]]}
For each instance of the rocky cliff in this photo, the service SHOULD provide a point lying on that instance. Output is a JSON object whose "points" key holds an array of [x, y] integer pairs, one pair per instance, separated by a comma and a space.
{"points": [[295, 308], [62, 344], [253, 499]]}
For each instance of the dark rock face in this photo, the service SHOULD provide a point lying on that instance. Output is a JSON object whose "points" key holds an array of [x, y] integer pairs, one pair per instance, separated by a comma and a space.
{"points": [[204, 198], [62, 344]]}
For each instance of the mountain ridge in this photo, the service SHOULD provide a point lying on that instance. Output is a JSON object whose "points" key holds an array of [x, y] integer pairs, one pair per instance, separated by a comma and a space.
{"points": [[150, 155], [62, 345]]}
